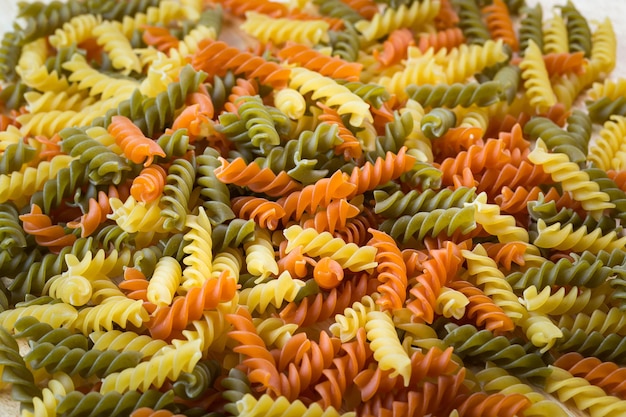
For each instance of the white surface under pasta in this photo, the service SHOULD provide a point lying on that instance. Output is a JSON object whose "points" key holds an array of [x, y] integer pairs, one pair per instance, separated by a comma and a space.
{"points": [[594, 10]]}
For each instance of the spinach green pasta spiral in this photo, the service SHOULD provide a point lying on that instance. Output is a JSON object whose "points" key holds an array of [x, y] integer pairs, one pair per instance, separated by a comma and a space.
{"points": [[423, 176], [219, 89], [43, 19], [174, 144], [191, 385], [153, 114], [337, 9], [32, 278], [608, 186], [33, 329], [258, 122], [579, 126], [11, 265], [345, 43], [611, 348], [12, 236], [509, 77], [233, 234], [12, 95], [116, 10], [174, 247], [611, 259], [602, 109], [396, 132], [548, 212], [235, 385], [457, 94], [15, 372], [212, 18], [77, 361], [473, 344], [180, 180], [437, 122], [373, 94], [579, 273], [145, 259], [471, 22], [104, 165], [112, 404], [15, 155], [578, 31], [557, 139], [10, 51], [431, 223], [531, 28], [515, 6], [213, 192], [4, 297], [111, 236], [398, 204], [64, 185]]}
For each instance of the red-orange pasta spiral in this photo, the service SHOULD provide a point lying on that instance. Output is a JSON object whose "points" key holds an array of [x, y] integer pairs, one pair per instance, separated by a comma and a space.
{"points": [[391, 271], [506, 254], [395, 47], [447, 16], [46, 234], [197, 116], [619, 177], [184, 309], [96, 214], [135, 283], [414, 260], [328, 273], [482, 309], [514, 138], [295, 262], [322, 306], [345, 367], [159, 37], [149, 412], [500, 24], [242, 87], [480, 404], [240, 7], [333, 217], [448, 38], [557, 113], [607, 375], [265, 213], [309, 58], [356, 229], [516, 201], [313, 196], [455, 140], [505, 123], [350, 147], [136, 147], [476, 158], [374, 381], [217, 57], [562, 63], [442, 266], [366, 8], [50, 147], [431, 398], [370, 176], [257, 179], [526, 174], [148, 185]]}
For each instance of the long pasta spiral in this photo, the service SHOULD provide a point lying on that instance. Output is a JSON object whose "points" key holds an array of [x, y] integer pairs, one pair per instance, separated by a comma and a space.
{"points": [[383, 23]]}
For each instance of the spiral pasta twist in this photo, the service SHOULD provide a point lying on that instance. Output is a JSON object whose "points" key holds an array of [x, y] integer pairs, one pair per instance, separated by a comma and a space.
{"points": [[260, 180], [118, 341], [606, 375], [177, 193], [115, 404], [536, 78], [499, 23], [384, 169], [280, 30], [111, 38], [416, 15], [274, 292], [333, 67], [47, 234], [135, 145]]}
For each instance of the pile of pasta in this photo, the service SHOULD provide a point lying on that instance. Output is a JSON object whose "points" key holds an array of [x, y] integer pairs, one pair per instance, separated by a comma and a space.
{"points": [[337, 207]]}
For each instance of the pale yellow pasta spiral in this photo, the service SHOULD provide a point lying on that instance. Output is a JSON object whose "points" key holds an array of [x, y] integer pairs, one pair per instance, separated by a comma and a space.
{"points": [[273, 292], [604, 153], [111, 38], [97, 83], [274, 331], [199, 251], [334, 94], [280, 30], [290, 102], [29, 180], [57, 388], [75, 290], [604, 47], [418, 144], [451, 303], [133, 216], [536, 79], [540, 330], [587, 397], [578, 240], [555, 39], [229, 259], [501, 225], [612, 89], [466, 60], [349, 255], [353, 318], [561, 301], [56, 315], [164, 282], [418, 14], [612, 321], [122, 341], [211, 330], [31, 67], [115, 311], [78, 29], [166, 365], [260, 256], [572, 179], [422, 71], [43, 102], [388, 350], [249, 406]]}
